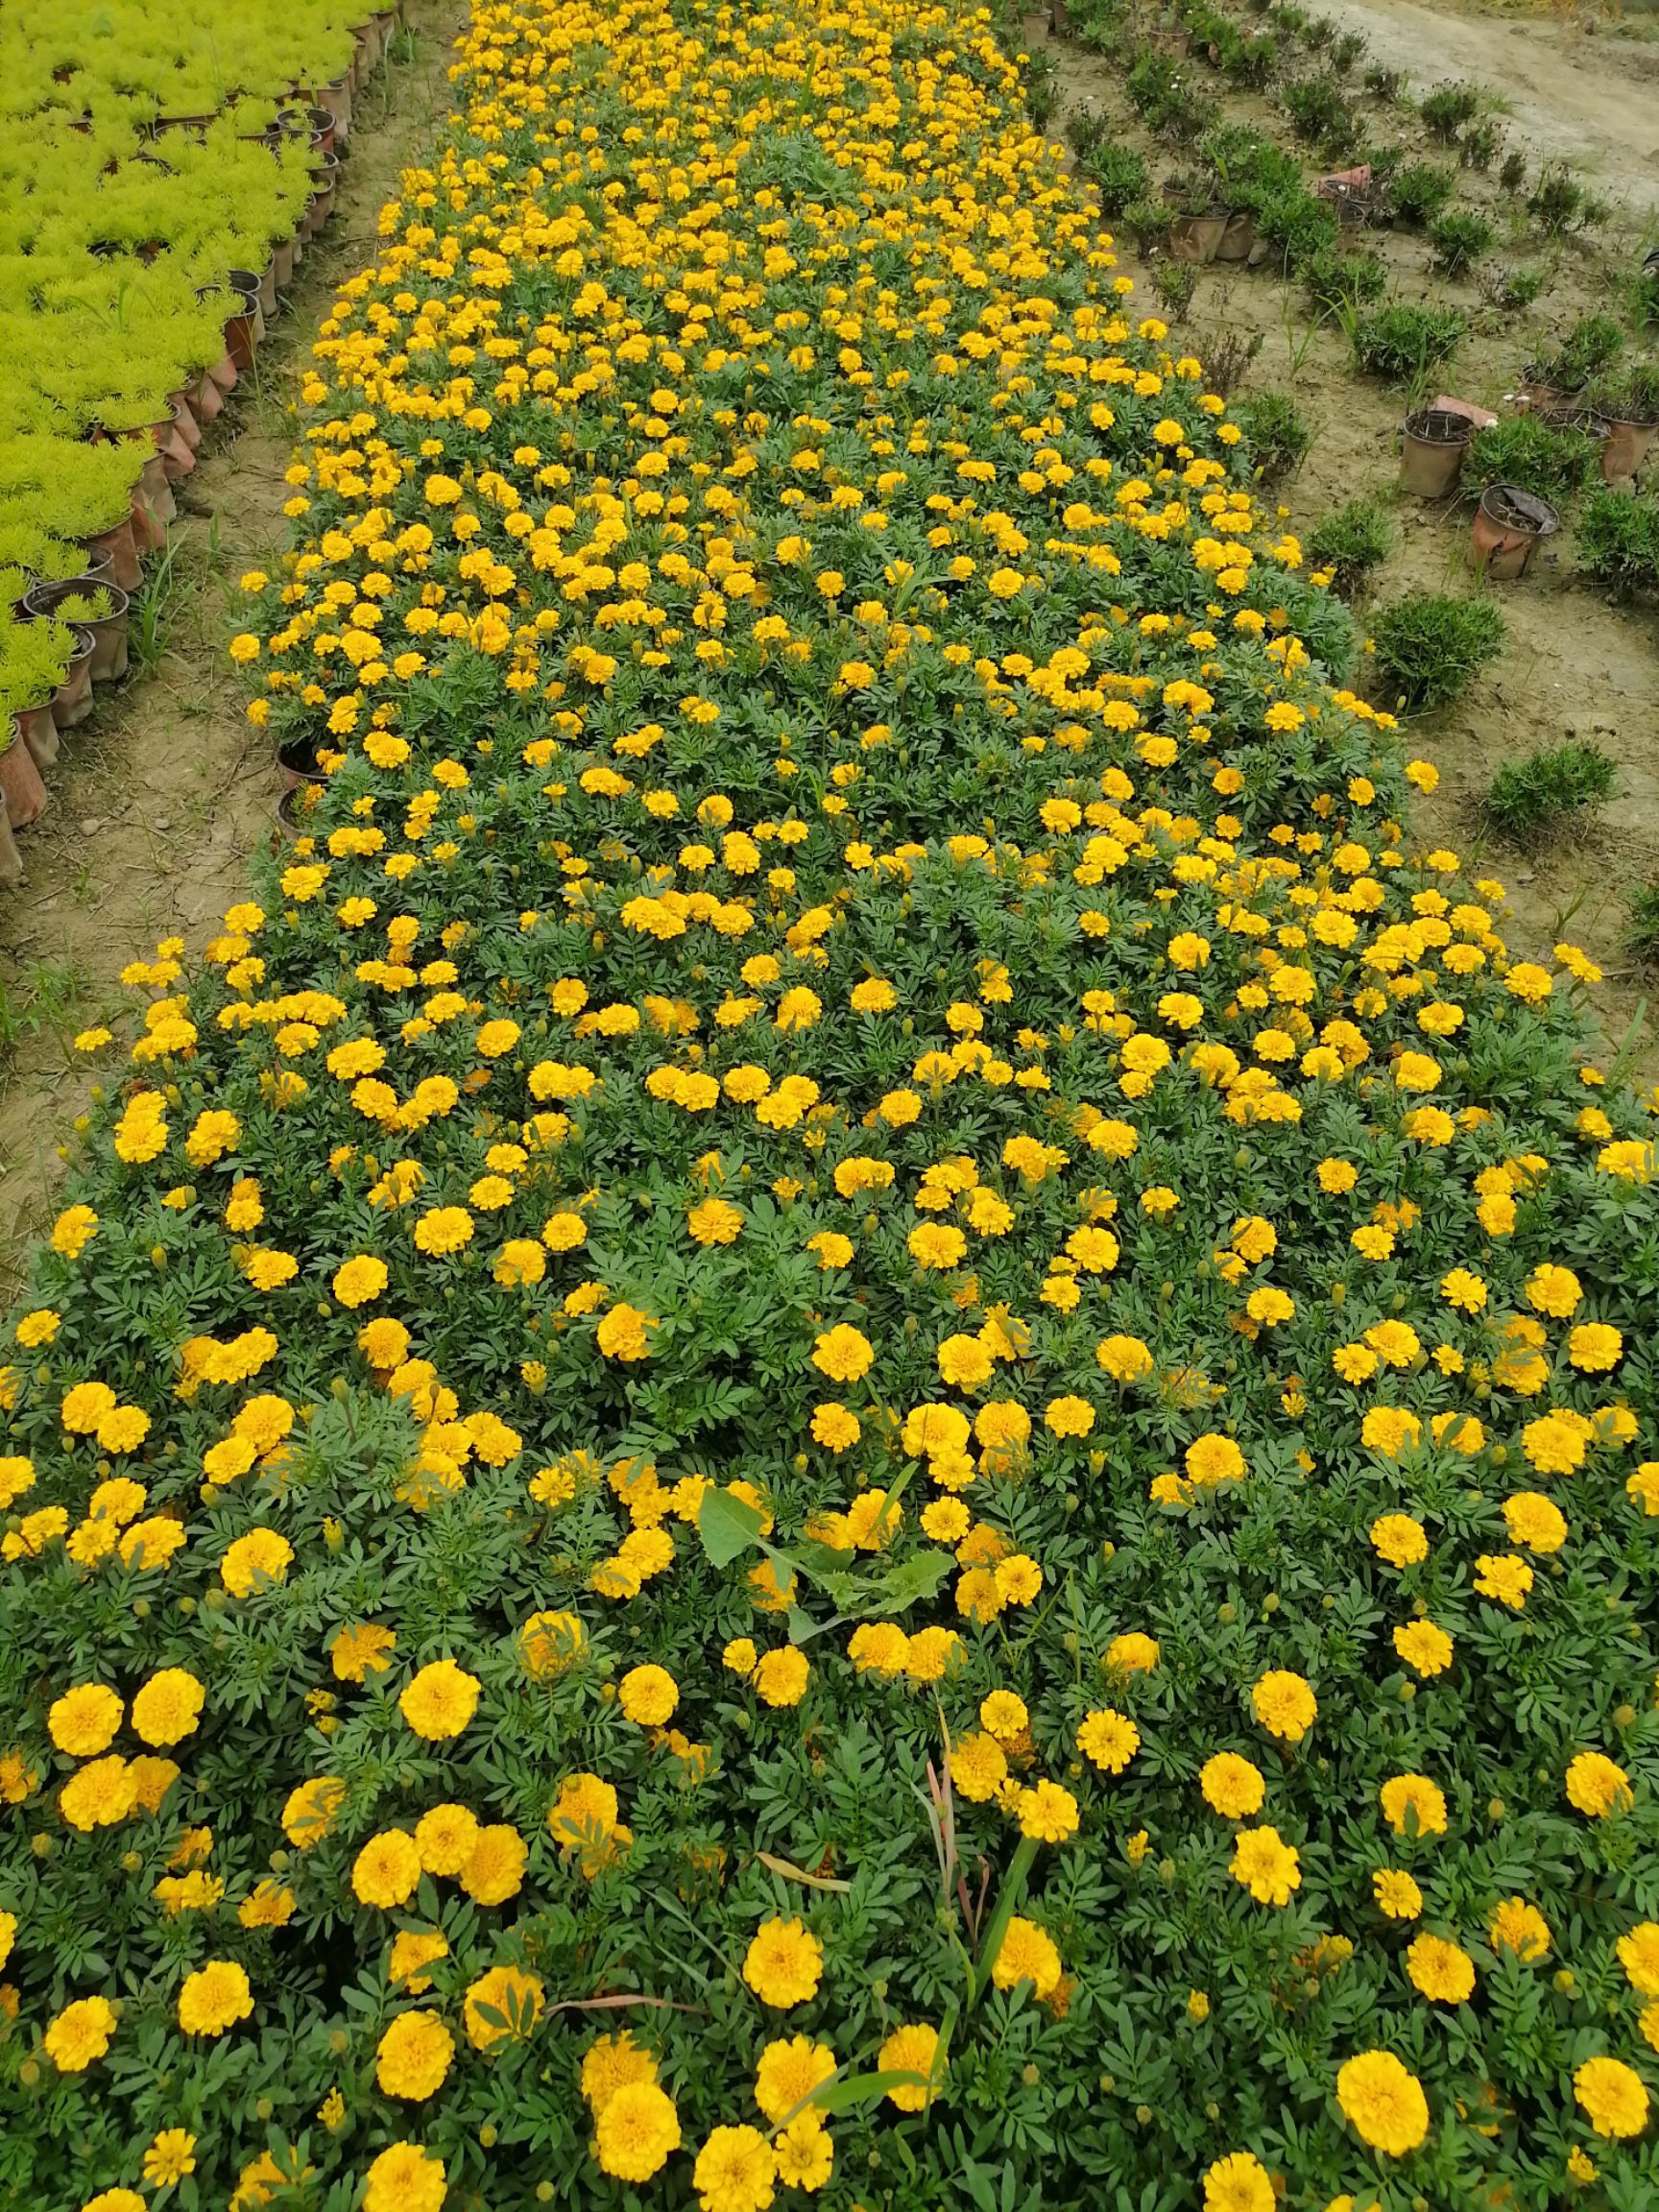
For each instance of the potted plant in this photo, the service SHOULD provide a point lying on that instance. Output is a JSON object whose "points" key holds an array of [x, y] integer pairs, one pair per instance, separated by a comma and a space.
{"points": [[1629, 405], [34, 660], [1200, 221], [72, 700], [1434, 442], [1510, 524]]}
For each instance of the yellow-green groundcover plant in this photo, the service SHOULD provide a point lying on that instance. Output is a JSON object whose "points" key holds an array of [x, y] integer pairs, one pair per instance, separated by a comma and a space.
{"points": [[859, 1408]]}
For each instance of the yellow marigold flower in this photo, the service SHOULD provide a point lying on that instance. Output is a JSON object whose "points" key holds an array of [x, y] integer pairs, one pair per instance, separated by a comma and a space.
{"points": [[783, 1964], [1026, 1953], [913, 2049], [214, 1998], [1384, 2103], [635, 2131], [1613, 2097], [1596, 1786], [414, 2056], [80, 2034], [440, 1701], [1285, 1704], [1412, 1804], [1396, 1893], [843, 1353], [1440, 1971], [85, 1721], [403, 2179], [1514, 1925], [1232, 1786]]}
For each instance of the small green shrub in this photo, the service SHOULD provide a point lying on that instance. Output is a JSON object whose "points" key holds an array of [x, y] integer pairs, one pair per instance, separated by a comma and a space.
{"points": [[1513, 174], [1296, 226], [1429, 647], [1175, 282], [1351, 542], [1559, 204], [1478, 148], [1459, 238], [1321, 117], [1588, 351], [1632, 396], [1549, 787], [1118, 173], [1249, 167], [1446, 109], [1618, 541], [1277, 435], [1387, 85], [1085, 131], [1346, 51], [1146, 221], [1042, 87], [1420, 192], [1514, 289], [1172, 107], [1524, 449], [1402, 342], [1645, 300], [1642, 928], [1340, 282]]}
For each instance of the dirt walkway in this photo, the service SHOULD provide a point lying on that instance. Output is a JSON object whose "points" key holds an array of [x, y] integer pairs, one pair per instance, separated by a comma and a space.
{"points": [[1579, 91], [158, 801]]}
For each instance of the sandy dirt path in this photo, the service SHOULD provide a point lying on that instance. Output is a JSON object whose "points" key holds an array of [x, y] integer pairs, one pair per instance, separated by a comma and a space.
{"points": [[1584, 95]]}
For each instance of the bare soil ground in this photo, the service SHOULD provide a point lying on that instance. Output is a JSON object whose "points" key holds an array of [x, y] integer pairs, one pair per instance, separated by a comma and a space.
{"points": [[160, 796], [1575, 665]]}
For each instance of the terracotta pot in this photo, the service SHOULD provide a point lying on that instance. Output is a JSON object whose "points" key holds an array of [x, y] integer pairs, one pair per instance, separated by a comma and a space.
{"points": [[20, 784], [207, 400], [1196, 237], [1509, 525], [37, 731], [241, 340], [109, 633], [154, 506], [1628, 444], [293, 811], [11, 863], [184, 420], [1238, 236], [296, 763], [1588, 424], [247, 281], [322, 131], [282, 263], [1060, 18], [1431, 456], [337, 98], [226, 371], [72, 700], [116, 548]]}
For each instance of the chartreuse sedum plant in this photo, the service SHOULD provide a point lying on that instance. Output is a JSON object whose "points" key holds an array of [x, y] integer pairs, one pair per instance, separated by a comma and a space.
{"points": [[854, 1407]]}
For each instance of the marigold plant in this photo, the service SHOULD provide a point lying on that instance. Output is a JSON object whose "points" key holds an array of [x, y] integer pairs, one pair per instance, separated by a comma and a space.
{"points": [[860, 1404]]}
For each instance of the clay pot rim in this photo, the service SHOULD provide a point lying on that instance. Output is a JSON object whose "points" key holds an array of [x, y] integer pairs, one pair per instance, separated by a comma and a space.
{"points": [[1417, 426], [1547, 521], [67, 586]]}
